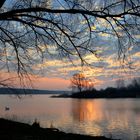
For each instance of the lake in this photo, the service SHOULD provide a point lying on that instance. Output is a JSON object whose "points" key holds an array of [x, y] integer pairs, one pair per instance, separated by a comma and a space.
{"points": [[116, 118]]}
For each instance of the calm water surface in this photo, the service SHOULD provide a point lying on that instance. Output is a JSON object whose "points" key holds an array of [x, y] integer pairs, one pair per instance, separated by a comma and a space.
{"points": [[117, 118]]}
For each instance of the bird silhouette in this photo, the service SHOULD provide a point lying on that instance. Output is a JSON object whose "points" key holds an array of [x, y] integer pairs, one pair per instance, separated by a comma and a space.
{"points": [[7, 108]]}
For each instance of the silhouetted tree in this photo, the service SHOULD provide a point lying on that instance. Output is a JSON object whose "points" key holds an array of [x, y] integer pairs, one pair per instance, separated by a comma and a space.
{"points": [[120, 83], [136, 82], [79, 83], [30, 28]]}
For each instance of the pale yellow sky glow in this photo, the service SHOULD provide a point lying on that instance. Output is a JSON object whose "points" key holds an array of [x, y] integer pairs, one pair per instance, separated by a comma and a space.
{"points": [[103, 72], [51, 51]]}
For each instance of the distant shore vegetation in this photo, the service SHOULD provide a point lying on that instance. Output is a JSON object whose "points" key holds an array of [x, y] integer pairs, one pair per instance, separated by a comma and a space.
{"points": [[132, 90]]}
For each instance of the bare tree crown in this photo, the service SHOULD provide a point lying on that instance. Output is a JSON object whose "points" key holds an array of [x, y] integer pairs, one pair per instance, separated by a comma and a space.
{"points": [[80, 83], [30, 28]]}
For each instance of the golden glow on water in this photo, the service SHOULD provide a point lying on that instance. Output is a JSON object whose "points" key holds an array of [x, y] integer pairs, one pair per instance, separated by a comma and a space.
{"points": [[86, 110], [103, 116], [119, 117]]}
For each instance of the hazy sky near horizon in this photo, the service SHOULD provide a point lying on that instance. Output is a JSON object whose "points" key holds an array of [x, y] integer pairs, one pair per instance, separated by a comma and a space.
{"points": [[55, 73]]}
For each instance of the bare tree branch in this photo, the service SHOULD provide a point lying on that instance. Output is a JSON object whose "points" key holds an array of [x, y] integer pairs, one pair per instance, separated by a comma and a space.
{"points": [[29, 28], [1, 3]]}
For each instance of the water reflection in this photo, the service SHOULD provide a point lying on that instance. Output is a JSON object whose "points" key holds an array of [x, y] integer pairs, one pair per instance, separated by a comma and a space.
{"points": [[119, 118], [86, 110]]}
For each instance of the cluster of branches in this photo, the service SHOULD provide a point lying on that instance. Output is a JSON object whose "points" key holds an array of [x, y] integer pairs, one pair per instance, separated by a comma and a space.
{"points": [[81, 83], [30, 28], [135, 84], [132, 90]]}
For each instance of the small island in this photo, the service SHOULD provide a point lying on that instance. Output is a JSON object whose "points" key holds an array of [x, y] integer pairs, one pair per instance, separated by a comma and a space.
{"points": [[132, 90]]}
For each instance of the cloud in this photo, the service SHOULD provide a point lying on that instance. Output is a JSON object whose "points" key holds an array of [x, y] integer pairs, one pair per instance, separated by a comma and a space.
{"points": [[105, 69]]}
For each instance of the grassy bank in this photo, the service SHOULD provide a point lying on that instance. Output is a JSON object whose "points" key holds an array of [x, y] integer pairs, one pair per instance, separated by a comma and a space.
{"points": [[11, 130]]}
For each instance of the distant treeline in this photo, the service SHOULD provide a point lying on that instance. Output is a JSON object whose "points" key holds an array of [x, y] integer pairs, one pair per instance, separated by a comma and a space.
{"points": [[130, 91], [28, 91]]}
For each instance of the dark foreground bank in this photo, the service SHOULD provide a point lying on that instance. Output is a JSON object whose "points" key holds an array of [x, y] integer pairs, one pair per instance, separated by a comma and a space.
{"points": [[10, 130]]}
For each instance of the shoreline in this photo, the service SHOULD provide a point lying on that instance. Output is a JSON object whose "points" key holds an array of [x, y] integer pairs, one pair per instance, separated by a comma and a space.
{"points": [[12, 130], [87, 97]]}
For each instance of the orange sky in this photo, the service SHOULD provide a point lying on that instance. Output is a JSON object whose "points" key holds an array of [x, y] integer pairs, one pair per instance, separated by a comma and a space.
{"points": [[52, 83], [37, 82], [57, 73], [105, 71]]}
